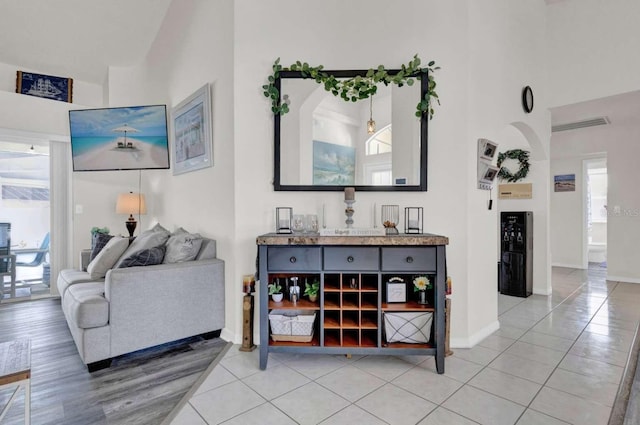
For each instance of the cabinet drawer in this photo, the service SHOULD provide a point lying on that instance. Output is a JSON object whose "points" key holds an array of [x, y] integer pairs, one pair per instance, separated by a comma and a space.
{"points": [[294, 259], [409, 259], [351, 258]]}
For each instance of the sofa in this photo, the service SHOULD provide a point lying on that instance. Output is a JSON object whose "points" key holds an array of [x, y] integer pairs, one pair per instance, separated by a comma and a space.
{"points": [[137, 306]]}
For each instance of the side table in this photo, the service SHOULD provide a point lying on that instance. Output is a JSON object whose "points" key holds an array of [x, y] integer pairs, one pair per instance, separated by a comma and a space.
{"points": [[15, 370]]}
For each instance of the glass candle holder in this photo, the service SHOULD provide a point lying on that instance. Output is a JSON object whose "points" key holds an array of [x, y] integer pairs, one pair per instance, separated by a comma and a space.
{"points": [[311, 223], [413, 220], [390, 217], [297, 225], [283, 219]]}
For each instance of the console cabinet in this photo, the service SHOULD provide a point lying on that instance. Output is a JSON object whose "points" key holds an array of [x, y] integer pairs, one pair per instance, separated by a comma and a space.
{"points": [[352, 272]]}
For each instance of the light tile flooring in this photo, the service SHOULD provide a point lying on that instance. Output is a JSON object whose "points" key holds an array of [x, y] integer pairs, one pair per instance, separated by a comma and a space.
{"points": [[555, 360]]}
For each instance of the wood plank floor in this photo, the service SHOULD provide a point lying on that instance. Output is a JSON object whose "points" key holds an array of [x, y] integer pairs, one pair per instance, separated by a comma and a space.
{"points": [[139, 388]]}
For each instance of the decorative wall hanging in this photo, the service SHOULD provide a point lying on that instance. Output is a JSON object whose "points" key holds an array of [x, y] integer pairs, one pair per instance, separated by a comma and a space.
{"points": [[46, 86], [523, 159], [358, 87]]}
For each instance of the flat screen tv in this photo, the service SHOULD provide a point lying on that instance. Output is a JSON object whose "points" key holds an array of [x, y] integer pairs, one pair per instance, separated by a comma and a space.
{"points": [[124, 138]]}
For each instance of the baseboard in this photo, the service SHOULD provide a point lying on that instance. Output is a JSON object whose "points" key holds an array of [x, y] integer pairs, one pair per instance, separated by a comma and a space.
{"points": [[227, 335], [472, 340], [623, 279], [568, 266]]}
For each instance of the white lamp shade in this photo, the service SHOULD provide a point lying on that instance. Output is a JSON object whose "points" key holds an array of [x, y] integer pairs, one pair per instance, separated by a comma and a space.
{"points": [[131, 203]]}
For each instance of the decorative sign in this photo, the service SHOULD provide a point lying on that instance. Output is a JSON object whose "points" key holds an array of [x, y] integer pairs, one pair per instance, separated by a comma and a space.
{"points": [[47, 86], [564, 183], [515, 191], [353, 231]]}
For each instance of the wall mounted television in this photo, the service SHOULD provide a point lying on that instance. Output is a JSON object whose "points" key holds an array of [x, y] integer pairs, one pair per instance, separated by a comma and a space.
{"points": [[122, 138]]}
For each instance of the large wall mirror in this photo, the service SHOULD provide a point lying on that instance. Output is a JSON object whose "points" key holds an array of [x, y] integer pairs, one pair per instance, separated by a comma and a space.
{"points": [[323, 142]]}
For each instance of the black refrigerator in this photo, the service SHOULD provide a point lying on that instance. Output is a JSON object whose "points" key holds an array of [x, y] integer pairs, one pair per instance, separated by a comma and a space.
{"points": [[516, 253]]}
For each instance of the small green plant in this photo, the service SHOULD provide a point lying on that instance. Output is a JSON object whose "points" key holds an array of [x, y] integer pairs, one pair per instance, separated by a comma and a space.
{"points": [[103, 230], [275, 288], [311, 290]]}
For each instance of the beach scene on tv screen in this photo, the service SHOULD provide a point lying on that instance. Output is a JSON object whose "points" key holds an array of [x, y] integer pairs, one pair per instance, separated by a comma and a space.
{"points": [[128, 138]]}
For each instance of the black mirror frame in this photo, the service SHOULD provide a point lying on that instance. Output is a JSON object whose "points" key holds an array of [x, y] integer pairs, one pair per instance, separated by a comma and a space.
{"points": [[422, 187]]}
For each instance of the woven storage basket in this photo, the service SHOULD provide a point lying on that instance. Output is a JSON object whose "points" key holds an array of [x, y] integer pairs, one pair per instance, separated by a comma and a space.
{"points": [[410, 327], [292, 325]]}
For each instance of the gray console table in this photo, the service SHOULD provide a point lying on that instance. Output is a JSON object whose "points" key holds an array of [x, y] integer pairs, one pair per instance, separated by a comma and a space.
{"points": [[353, 272]]}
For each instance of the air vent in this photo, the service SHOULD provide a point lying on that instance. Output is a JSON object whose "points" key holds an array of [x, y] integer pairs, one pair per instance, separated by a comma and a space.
{"points": [[580, 124]]}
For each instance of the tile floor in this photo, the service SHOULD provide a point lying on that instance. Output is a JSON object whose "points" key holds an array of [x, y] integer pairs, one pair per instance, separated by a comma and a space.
{"points": [[555, 360]]}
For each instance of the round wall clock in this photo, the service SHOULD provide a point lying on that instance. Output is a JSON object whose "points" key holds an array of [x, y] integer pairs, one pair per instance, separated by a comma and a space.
{"points": [[527, 99]]}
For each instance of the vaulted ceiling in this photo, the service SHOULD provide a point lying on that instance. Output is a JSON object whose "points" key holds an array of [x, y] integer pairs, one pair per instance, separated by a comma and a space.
{"points": [[78, 38]]}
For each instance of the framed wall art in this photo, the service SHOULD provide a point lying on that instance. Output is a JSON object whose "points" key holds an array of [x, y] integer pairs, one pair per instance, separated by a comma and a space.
{"points": [[396, 290], [45, 86], [192, 140]]}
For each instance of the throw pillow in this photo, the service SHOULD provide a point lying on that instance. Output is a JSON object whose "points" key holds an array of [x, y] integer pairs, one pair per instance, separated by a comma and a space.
{"points": [[146, 257], [98, 241], [182, 246], [107, 257], [151, 238]]}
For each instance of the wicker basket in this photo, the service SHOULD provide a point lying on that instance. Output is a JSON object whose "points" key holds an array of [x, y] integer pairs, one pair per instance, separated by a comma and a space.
{"points": [[292, 325]]}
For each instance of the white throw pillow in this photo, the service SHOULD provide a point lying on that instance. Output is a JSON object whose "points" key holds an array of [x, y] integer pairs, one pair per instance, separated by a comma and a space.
{"points": [[182, 246], [107, 257], [148, 239]]}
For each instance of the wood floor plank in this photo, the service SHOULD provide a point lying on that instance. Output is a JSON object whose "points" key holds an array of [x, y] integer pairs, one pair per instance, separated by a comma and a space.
{"points": [[138, 389]]}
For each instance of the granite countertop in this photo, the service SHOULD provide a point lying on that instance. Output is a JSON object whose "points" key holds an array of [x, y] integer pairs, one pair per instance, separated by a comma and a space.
{"points": [[316, 239]]}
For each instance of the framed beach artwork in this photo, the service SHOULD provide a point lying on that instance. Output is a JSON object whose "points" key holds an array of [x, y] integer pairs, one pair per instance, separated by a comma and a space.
{"points": [[333, 165], [192, 145], [45, 86], [564, 183], [125, 138]]}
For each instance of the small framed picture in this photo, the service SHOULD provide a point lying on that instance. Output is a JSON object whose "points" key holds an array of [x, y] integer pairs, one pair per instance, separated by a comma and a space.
{"points": [[192, 132], [396, 291], [487, 149]]}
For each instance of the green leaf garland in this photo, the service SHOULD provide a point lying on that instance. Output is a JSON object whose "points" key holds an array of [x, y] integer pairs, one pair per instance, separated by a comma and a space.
{"points": [[522, 157], [359, 87]]}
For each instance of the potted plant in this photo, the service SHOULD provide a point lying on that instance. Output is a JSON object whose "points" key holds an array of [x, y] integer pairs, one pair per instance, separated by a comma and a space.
{"points": [[312, 290], [275, 290], [420, 285]]}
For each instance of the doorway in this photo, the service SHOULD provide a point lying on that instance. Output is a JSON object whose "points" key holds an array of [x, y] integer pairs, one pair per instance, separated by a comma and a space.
{"points": [[596, 211], [25, 207]]}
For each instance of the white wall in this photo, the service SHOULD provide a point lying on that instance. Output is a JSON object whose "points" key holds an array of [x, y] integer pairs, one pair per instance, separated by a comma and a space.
{"points": [[506, 39], [487, 53], [588, 57], [194, 46], [83, 93], [567, 216], [623, 228], [590, 45]]}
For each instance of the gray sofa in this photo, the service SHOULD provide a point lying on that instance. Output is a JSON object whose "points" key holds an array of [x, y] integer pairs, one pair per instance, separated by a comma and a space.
{"points": [[138, 307]]}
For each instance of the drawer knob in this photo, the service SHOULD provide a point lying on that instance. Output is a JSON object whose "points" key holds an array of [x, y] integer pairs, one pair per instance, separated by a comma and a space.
{"points": [[293, 259], [409, 259], [350, 259]]}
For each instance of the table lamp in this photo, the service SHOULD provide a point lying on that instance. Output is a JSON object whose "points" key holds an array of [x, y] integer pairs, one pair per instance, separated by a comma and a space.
{"points": [[131, 203]]}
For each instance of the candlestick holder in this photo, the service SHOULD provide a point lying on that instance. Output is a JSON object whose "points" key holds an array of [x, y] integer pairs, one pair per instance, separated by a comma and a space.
{"points": [[349, 212]]}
